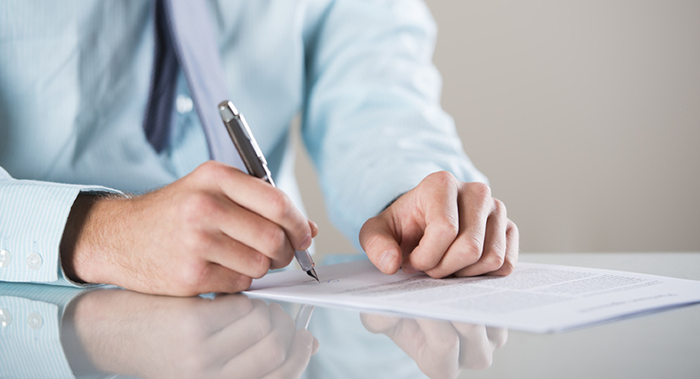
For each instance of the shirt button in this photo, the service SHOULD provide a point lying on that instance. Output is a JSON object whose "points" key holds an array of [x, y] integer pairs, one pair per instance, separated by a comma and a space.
{"points": [[34, 261], [183, 104], [5, 258], [35, 321], [5, 318]]}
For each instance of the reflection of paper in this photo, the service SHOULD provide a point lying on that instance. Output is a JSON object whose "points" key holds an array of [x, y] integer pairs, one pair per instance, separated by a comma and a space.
{"points": [[536, 297]]}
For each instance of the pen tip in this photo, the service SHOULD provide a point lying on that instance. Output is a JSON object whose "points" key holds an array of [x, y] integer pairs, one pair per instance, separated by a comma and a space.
{"points": [[312, 273]]}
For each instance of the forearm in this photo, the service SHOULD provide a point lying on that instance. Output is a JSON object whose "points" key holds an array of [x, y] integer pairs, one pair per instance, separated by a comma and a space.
{"points": [[373, 121]]}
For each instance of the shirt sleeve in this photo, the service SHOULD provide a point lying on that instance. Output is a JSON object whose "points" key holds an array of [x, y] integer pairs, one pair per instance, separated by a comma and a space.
{"points": [[372, 122], [33, 216]]}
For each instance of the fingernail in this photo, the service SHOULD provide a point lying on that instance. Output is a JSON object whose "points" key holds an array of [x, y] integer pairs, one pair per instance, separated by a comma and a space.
{"points": [[409, 269], [305, 243], [386, 260]]}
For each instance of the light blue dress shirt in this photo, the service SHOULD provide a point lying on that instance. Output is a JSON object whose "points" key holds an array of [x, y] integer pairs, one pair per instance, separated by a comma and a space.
{"points": [[74, 82]]}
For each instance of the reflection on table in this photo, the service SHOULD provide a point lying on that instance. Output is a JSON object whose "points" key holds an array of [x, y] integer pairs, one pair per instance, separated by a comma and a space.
{"points": [[64, 332], [50, 332]]}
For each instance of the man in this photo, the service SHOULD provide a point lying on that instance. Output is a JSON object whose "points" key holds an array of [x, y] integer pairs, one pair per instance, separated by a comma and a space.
{"points": [[75, 95]]}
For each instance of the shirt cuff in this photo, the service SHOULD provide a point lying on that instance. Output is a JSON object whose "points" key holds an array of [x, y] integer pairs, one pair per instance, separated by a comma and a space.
{"points": [[33, 216]]}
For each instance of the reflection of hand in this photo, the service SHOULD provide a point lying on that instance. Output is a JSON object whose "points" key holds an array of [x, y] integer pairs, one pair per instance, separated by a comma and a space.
{"points": [[443, 227], [440, 348], [211, 231], [159, 337]]}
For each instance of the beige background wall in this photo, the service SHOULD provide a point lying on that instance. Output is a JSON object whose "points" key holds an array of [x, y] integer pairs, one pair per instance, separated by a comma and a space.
{"points": [[585, 115]]}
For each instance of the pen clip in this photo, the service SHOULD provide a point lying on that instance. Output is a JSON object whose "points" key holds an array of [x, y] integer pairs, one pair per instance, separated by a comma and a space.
{"points": [[246, 130], [245, 143]]}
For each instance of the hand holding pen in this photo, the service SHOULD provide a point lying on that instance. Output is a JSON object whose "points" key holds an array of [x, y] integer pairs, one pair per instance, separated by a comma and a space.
{"points": [[256, 164], [213, 230]]}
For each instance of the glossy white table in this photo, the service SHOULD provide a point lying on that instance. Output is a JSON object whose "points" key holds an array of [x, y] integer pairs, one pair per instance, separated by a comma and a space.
{"points": [[658, 345], [117, 333]]}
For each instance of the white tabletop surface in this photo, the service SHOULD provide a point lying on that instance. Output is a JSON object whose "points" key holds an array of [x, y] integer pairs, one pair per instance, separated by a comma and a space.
{"points": [[124, 334], [659, 345]]}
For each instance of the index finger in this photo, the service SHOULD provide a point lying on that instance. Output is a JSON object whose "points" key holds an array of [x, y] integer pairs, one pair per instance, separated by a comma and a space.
{"points": [[440, 213], [268, 201]]}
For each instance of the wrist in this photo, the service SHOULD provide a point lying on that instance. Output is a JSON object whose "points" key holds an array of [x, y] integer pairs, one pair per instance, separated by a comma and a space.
{"points": [[86, 236]]}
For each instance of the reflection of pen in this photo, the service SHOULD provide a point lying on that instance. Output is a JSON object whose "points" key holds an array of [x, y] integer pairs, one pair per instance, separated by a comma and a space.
{"points": [[255, 163], [303, 316]]}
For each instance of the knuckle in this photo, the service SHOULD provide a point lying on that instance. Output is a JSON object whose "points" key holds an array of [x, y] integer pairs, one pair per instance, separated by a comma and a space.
{"points": [[210, 169], [260, 266], [442, 178], [281, 205], [469, 251], [481, 190], [512, 228], [275, 240], [495, 261], [286, 259], [242, 283], [193, 277], [499, 208], [447, 229]]}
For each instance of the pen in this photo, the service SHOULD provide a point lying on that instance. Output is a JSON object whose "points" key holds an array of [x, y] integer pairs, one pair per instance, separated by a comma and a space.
{"points": [[303, 316], [256, 164]]}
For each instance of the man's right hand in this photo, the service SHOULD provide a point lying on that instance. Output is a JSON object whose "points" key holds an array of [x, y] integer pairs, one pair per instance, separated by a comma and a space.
{"points": [[214, 230]]}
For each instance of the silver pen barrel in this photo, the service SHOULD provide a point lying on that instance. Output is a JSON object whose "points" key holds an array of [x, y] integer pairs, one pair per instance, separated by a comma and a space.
{"points": [[303, 316], [255, 163]]}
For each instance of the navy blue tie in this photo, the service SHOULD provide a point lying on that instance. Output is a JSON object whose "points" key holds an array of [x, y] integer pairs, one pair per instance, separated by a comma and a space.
{"points": [[185, 36], [164, 77]]}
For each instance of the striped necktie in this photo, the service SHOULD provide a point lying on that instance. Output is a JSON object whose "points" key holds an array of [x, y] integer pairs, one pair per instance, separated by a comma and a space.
{"points": [[184, 35]]}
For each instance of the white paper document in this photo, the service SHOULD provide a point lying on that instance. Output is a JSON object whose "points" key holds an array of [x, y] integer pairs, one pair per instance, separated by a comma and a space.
{"points": [[535, 297]]}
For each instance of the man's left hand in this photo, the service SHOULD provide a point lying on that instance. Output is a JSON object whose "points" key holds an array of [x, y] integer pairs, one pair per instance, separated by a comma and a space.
{"points": [[443, 227]]}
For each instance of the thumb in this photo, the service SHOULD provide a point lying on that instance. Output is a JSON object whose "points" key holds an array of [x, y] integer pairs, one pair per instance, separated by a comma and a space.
{"points": [[378, 241], [314, 229]]}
